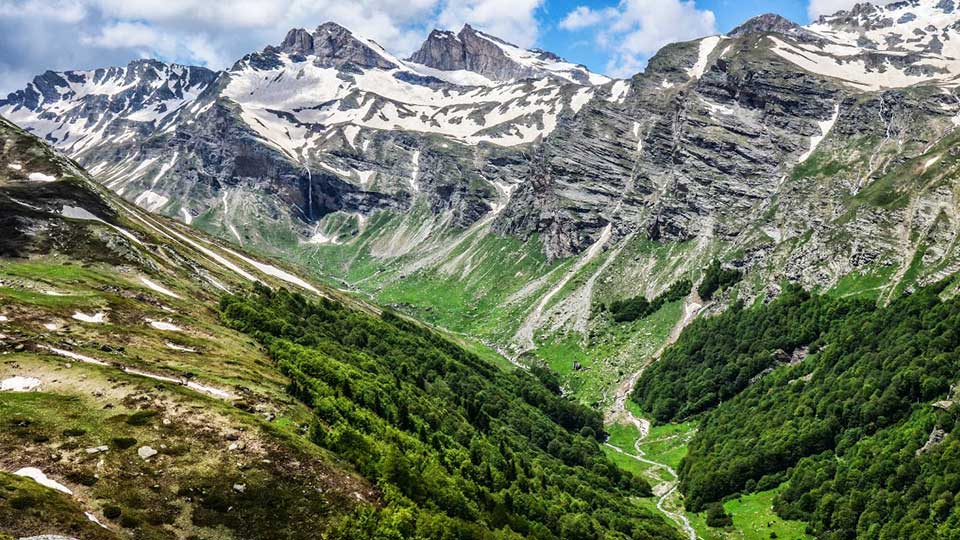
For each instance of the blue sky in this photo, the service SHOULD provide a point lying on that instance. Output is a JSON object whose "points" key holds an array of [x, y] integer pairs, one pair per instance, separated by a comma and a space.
{"points": [[580, 45], [615, 37]]}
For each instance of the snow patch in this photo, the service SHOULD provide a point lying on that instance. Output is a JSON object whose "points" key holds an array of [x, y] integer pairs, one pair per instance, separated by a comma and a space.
{"points": [[39, 477], [236, 234], [15, 166], [158, 288], [40, 177], [94, 519], [618, 91], [319, 238], [75, 212], [707, 45], [165, 326], [275, 272], [97, 318], [151, 201], [19, 384], [75, 356], [825, 127], [854, 71], [176, 347]]}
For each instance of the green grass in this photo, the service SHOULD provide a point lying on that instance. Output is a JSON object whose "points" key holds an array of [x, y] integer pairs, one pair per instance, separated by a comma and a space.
{"points": [[477, 303], [10, 295], [869, 284], [667, 443], [620, 350], [754, 519], [623, 436], [29, 509], [625, 462], [45, 270]]}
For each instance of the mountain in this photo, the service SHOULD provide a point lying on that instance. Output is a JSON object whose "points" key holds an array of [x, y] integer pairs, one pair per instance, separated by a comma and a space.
{"points": [[792, 153], [498, 60], [326, 122], [158, 383], [779, 148], [581, 229]]}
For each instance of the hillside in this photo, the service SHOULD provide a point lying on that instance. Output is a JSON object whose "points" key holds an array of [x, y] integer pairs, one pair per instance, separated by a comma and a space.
{"points": [[728, 282], [851, 405], [159, 383], [121, 386]]}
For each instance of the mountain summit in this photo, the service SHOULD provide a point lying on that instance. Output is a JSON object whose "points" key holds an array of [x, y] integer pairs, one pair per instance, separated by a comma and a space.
{"points": [[496, 59], [335, 46]]}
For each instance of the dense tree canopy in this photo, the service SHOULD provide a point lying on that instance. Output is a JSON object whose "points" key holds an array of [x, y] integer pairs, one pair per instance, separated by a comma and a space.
{"points": [[639, 307], [844, 425], [459, 448], [717, 278]]}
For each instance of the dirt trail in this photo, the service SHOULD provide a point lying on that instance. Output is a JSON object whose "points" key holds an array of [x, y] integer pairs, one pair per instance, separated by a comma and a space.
{"points": [[618, 413]]}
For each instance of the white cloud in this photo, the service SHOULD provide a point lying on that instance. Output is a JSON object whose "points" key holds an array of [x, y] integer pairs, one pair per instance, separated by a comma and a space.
{"points": [[512, 20], [70, 11], [636, 29], [584, 17], [125, 34]]}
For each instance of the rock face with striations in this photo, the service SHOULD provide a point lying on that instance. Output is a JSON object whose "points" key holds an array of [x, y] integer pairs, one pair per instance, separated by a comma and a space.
{"points": [[335, 46], [789, 146], [471, 51], [498, 60]]}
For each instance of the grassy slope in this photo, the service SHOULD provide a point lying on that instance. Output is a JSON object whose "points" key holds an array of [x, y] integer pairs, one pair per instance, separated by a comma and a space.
{"points": [[207, 446], [620, 351], [84, 406]]}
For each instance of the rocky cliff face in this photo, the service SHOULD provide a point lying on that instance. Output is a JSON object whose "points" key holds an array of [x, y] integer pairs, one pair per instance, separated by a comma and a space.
{"points": [[335, 46], [475, 51], [805, 153], [326, 122]]}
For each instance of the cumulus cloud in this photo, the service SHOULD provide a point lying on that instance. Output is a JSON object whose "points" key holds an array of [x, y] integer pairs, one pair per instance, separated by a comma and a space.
{"points": [[70, 11], [584, 17], [635, 29], [512, 20], [36, 35]]}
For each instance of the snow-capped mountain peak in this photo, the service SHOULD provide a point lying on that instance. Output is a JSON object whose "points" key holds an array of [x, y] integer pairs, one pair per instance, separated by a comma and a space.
{"points": [[78, 109], [496, 59], [335, 46], [871, 47]]}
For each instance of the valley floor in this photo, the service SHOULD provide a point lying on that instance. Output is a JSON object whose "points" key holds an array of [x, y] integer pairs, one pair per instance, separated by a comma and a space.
{"points": [[654, 451]]}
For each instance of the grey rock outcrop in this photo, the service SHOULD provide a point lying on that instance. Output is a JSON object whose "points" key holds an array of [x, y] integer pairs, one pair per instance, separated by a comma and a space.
{"points": [[475, 51], [335, 46]]}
